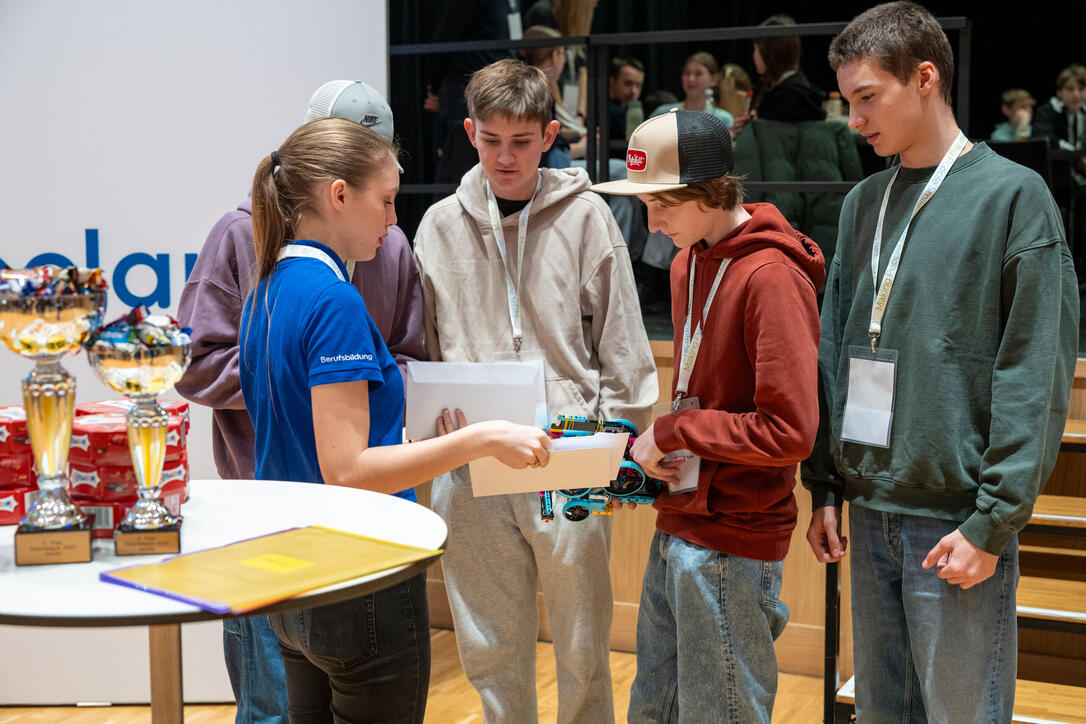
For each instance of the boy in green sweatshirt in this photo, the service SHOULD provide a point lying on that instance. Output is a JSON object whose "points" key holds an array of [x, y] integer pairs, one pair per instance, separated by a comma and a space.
{"points": [[944, 391]]}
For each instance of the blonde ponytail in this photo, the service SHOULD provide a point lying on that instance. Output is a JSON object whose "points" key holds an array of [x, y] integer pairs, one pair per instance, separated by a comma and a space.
{"points": [[286, 181]]}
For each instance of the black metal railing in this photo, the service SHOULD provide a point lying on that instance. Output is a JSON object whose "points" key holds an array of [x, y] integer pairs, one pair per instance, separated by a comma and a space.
{"points": [[598, 51]]}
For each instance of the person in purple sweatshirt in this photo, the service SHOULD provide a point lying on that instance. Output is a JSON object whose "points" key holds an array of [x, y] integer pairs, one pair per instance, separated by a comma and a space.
{"points": [[211, 304]]}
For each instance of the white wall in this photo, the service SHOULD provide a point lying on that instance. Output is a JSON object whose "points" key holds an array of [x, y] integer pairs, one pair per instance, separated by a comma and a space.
{"points": [[143, 121]]}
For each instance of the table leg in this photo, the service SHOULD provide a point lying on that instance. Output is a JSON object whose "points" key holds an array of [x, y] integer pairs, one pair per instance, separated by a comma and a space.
{"points": [[167, 706]]}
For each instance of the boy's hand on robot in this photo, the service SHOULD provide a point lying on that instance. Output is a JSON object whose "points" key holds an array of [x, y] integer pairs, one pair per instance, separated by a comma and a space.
{"points": [[646, 454]]}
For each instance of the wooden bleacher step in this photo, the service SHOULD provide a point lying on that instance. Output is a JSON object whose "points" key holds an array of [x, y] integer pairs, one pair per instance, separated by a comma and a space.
{"points": [[1052, 599], [1035, 702], [1074, 436], [1053, 551], [1063, 511]]}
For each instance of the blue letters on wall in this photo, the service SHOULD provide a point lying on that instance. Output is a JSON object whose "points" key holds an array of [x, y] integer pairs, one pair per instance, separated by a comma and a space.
{"points": [[159, 264]]}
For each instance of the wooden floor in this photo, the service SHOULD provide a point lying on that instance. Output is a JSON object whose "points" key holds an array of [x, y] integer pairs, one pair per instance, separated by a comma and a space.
{"points": [[452, 700]]}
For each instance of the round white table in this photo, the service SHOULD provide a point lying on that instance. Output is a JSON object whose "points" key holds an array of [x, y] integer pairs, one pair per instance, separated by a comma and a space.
{"points": [[218, 512]]}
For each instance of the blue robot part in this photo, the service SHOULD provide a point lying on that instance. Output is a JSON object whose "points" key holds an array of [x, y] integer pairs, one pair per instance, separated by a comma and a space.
{"points": [[631, 478], [575, 510], [577, 425], [546, 506], [580, 508], [631, 485]]}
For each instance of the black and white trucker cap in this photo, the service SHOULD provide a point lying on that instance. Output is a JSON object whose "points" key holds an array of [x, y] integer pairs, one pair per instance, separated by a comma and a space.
{"points": [[672, 150]]}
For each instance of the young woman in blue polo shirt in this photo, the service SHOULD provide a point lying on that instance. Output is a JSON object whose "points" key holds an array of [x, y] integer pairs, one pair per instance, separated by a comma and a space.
{"points": [[326, 400]]}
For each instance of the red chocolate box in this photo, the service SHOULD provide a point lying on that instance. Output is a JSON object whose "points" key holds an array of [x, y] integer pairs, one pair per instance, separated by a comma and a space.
{"points": [[117, 483], [13, 437], [113, 407], [14, 503], [99, 440], [17, 471], [109, 514]]}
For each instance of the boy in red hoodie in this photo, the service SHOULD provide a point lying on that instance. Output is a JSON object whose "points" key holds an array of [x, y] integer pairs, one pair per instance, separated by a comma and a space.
{"points": [[745, 412]]}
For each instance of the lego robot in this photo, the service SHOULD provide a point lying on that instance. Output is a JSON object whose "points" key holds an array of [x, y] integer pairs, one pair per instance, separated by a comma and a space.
{"points": [[631, 485]]}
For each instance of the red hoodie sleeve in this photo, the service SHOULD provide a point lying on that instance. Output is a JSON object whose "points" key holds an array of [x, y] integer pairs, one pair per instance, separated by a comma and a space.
{"points": [[781, 337]]}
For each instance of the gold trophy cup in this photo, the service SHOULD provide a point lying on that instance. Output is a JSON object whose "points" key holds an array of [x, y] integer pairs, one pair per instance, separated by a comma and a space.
{"points": [[142, 356], [45, 328]]}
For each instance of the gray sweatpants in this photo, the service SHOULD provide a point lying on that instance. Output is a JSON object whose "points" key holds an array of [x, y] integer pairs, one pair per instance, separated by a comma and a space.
{"points": [[498, 550]]}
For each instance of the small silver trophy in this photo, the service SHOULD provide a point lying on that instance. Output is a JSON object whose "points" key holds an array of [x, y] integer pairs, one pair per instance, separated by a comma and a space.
{"points": [[46, 313], [141, 356]]}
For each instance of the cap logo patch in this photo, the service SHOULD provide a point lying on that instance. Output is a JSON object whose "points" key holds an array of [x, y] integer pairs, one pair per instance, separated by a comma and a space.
{"points": [[370, 121], [636, 160]]}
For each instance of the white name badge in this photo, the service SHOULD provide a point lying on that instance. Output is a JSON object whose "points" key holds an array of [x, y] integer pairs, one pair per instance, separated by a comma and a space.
{"points": [[515, 30], [570, 93], [688, 472], [542, 411], [691, 467], [869, 406]]}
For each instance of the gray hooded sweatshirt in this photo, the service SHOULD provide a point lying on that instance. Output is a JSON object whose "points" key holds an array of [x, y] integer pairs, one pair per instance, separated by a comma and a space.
{"points": [[577, 293]]}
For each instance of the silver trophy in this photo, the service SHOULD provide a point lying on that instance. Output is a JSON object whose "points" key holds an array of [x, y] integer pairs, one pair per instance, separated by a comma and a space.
{"points": [[45, 314], [142, 356]]}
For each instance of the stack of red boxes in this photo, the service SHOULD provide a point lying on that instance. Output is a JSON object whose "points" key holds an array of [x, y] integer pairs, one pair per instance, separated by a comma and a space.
{"points": [[18, 482], [103, 481]]}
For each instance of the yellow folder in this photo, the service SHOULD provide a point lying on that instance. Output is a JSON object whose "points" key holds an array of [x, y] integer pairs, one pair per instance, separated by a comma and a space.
{"points": [[252, 573]]}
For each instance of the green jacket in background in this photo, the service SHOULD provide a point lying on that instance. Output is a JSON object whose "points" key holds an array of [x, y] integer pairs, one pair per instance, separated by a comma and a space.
{"points": [[800, 151]]}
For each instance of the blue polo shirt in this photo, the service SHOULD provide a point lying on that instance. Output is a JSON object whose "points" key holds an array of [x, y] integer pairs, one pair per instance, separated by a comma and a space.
{"points": [[301, 327]]}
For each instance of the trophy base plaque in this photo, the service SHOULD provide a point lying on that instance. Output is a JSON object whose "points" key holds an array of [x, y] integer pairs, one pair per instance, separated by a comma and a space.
{"points": [[131, 541], [43, 547]]}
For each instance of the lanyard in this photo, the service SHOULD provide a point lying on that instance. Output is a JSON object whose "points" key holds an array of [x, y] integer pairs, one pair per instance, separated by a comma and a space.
{"points": [[878, 303], [310, 252], [512, 288], [691, 344]]}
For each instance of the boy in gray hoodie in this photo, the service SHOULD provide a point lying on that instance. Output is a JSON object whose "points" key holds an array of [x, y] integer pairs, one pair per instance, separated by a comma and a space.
{"points": [[526, 261]]}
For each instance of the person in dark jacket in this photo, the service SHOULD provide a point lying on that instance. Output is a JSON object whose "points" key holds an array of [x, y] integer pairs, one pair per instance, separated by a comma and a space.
{"points": [[788, 139], [783, 92], [1063, 118], [448, 74], [1063, 121], [626, 79], [800, 151]]}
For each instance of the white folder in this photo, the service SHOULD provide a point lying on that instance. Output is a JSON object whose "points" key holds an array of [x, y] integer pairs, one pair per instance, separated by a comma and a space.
{"points": [[483, 390]]}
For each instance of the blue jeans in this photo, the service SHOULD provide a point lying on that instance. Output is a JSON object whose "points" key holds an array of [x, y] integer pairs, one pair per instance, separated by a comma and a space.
{"points": [[256, 670], [705, 636], [926, 650], [362, 660]]}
